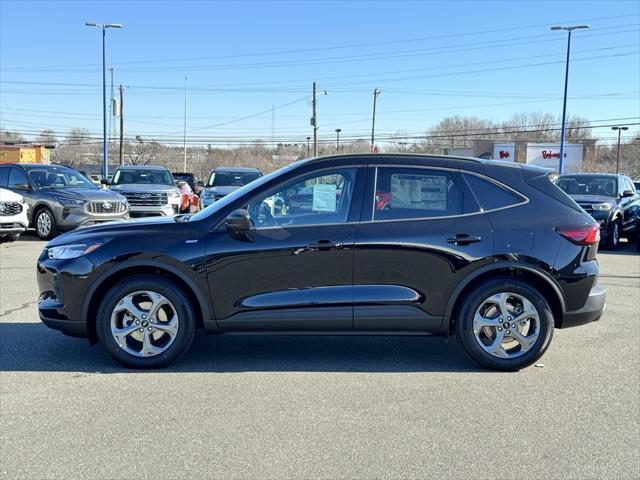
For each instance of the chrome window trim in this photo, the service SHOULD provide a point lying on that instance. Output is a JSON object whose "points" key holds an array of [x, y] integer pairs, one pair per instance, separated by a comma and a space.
{"points": [[457, 170]]}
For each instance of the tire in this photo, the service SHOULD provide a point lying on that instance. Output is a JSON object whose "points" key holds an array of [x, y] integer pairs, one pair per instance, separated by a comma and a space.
{"points": [[9, 238], [536, 332], [45, 223], [614, 239], [167, 343]]}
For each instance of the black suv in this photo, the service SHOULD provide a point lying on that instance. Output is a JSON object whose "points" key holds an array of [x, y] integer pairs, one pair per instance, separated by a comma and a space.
{"points": [[610, 199], [492, 251]]}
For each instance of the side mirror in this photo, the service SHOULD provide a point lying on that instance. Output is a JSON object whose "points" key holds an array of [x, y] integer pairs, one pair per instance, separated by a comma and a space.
{"points": [[105, 181], [200, 183], [238, 221], [627, 193], [22, 186]]}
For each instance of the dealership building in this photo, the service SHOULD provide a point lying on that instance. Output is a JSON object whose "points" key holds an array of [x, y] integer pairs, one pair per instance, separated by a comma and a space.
{"points": [[544, 154]]}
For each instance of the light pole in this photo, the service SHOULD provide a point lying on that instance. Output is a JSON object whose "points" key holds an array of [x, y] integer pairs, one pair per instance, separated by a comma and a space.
{"points": [[376, 92], [566, 81], [308, 146], [338, 130], [184, 133], [105, 155], [619, 129]]}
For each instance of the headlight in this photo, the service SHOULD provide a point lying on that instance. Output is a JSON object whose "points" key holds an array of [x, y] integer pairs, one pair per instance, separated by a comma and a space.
{"points": [[175, 194], [74, 250], [207, 194], [601, 206], [70, 202]]}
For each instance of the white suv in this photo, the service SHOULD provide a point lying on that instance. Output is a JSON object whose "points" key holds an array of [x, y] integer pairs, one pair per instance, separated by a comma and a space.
{"points": [[13, 215]]}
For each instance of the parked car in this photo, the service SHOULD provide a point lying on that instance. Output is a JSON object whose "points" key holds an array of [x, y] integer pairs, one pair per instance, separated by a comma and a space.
{"points": [[61, 198], [224, 180], [610, 199], [190, 178], [13, 215], [150, 190], [493, 252], [636, 183]]}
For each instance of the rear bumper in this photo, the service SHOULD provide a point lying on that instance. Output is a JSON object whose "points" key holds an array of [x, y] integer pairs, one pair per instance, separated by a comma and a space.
{"points": [[590, 312]]}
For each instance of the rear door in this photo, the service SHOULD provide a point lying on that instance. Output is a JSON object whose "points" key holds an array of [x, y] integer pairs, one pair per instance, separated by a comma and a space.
{"points": [[421, 232]]}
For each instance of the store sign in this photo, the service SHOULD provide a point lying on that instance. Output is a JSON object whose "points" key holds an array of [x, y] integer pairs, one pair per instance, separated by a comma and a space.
{"points": [[504, 151], [548, 155]]}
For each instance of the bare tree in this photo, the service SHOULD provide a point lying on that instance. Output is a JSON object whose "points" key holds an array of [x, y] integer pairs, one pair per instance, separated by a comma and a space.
{"points": [[7, 136], [47, 137]]}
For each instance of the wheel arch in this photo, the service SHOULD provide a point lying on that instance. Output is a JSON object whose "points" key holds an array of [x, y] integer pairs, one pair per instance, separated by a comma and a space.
{"points": [[532, 275], [32, 212], [110, 278]]}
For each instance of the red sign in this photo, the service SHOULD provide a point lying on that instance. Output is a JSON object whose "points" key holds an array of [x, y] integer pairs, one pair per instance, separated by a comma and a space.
{"points": [[504, 154], [547, 155]]}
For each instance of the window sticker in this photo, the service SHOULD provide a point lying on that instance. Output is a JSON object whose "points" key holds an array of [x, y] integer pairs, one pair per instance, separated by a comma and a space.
{"points": [[324, 198], [424, 192]]}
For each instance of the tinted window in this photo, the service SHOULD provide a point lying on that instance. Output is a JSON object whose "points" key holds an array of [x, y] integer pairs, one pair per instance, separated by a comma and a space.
{"points": [[406, 193], [319, 198], [142, 177], [17, 179], [231, 179], [587, 185], [490, 195], [4, 176]]}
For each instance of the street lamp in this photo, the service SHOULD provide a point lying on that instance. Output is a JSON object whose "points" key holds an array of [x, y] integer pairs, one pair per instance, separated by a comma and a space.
{"points": [[338, 130], [566, 80], [308, 146], [105, 155], [619, 129]]}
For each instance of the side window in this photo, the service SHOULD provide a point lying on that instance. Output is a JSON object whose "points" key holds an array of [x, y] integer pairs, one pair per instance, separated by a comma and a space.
{"points": [[408, 193], [319, 198], [4, 176], [17, 179], [629, 185], [490, 195]]}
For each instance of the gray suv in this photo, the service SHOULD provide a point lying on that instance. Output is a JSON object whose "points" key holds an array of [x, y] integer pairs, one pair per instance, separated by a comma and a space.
{"points": [[224, 180], [150, 190], [61, 198]]}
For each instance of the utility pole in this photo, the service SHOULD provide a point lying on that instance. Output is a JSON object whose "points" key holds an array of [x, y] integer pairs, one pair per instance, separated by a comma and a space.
{"points": [[184, 134], [314, 122], [121, 125], [273, 126], [112, 112], [619, 129], [308, 139], [376, 92], [338, 130]]}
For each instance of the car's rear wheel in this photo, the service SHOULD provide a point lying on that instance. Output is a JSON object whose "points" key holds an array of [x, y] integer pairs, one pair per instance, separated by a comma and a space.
{"points": [[146, 322], [45, 223], [505, 324]]}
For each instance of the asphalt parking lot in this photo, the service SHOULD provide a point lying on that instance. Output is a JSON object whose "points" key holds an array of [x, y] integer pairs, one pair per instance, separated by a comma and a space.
{"points": [[319, 407]]}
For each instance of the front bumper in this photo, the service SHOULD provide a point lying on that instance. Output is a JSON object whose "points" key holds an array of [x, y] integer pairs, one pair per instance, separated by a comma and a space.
{"points": [[69, 218], [590, 312], [153, 211], [10, 224]]}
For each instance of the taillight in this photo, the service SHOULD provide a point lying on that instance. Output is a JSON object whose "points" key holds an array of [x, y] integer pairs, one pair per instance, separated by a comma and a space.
{"points": [[581, 234]]}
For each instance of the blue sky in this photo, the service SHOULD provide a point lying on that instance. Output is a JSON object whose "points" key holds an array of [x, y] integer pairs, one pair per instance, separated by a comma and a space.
{"points": [[429, 59]]}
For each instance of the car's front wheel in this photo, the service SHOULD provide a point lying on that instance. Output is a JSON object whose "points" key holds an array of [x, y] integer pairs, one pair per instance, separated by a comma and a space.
{"points": [[614, 238], [146, 322], [45, 223], [505, 324]]}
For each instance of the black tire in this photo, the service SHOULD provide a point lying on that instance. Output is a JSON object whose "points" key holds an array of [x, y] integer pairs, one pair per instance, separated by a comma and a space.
{"points": [[9, 238], [613, 241], [165, 287], [464, 324], [43, 234]]}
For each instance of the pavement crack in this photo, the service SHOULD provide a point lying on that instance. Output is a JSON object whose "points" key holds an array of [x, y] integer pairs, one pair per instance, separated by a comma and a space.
{"points": [[17, 309]]}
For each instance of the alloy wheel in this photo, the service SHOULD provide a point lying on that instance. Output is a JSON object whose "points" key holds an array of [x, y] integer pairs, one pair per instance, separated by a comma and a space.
{"points": [[506, 325], [615, 236], [43, 223], [144, 323]]}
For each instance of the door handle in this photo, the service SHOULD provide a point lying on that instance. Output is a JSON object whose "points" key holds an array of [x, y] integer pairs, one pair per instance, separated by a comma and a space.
{"points": [[324, 245], [464, 239]]}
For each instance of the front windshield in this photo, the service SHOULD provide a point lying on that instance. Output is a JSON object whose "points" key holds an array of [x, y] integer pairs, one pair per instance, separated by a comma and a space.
{"points": [[141, 176], [231, 179], [587, 185], [58, 178], [227, 199]]}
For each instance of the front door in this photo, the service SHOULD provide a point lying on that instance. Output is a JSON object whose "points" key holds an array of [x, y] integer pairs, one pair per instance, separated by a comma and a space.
{"points": [[422, 230], [293, 271]]}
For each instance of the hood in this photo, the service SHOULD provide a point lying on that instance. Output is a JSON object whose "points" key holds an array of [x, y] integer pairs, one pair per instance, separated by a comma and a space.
{"points": [[9, 196], [141, 187], [592, 198], [222, 190], [88, 194], [129, 227]]}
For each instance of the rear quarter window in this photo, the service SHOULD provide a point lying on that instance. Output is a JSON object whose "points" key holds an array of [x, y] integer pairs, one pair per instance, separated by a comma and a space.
{"points": [[490, 195]]}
